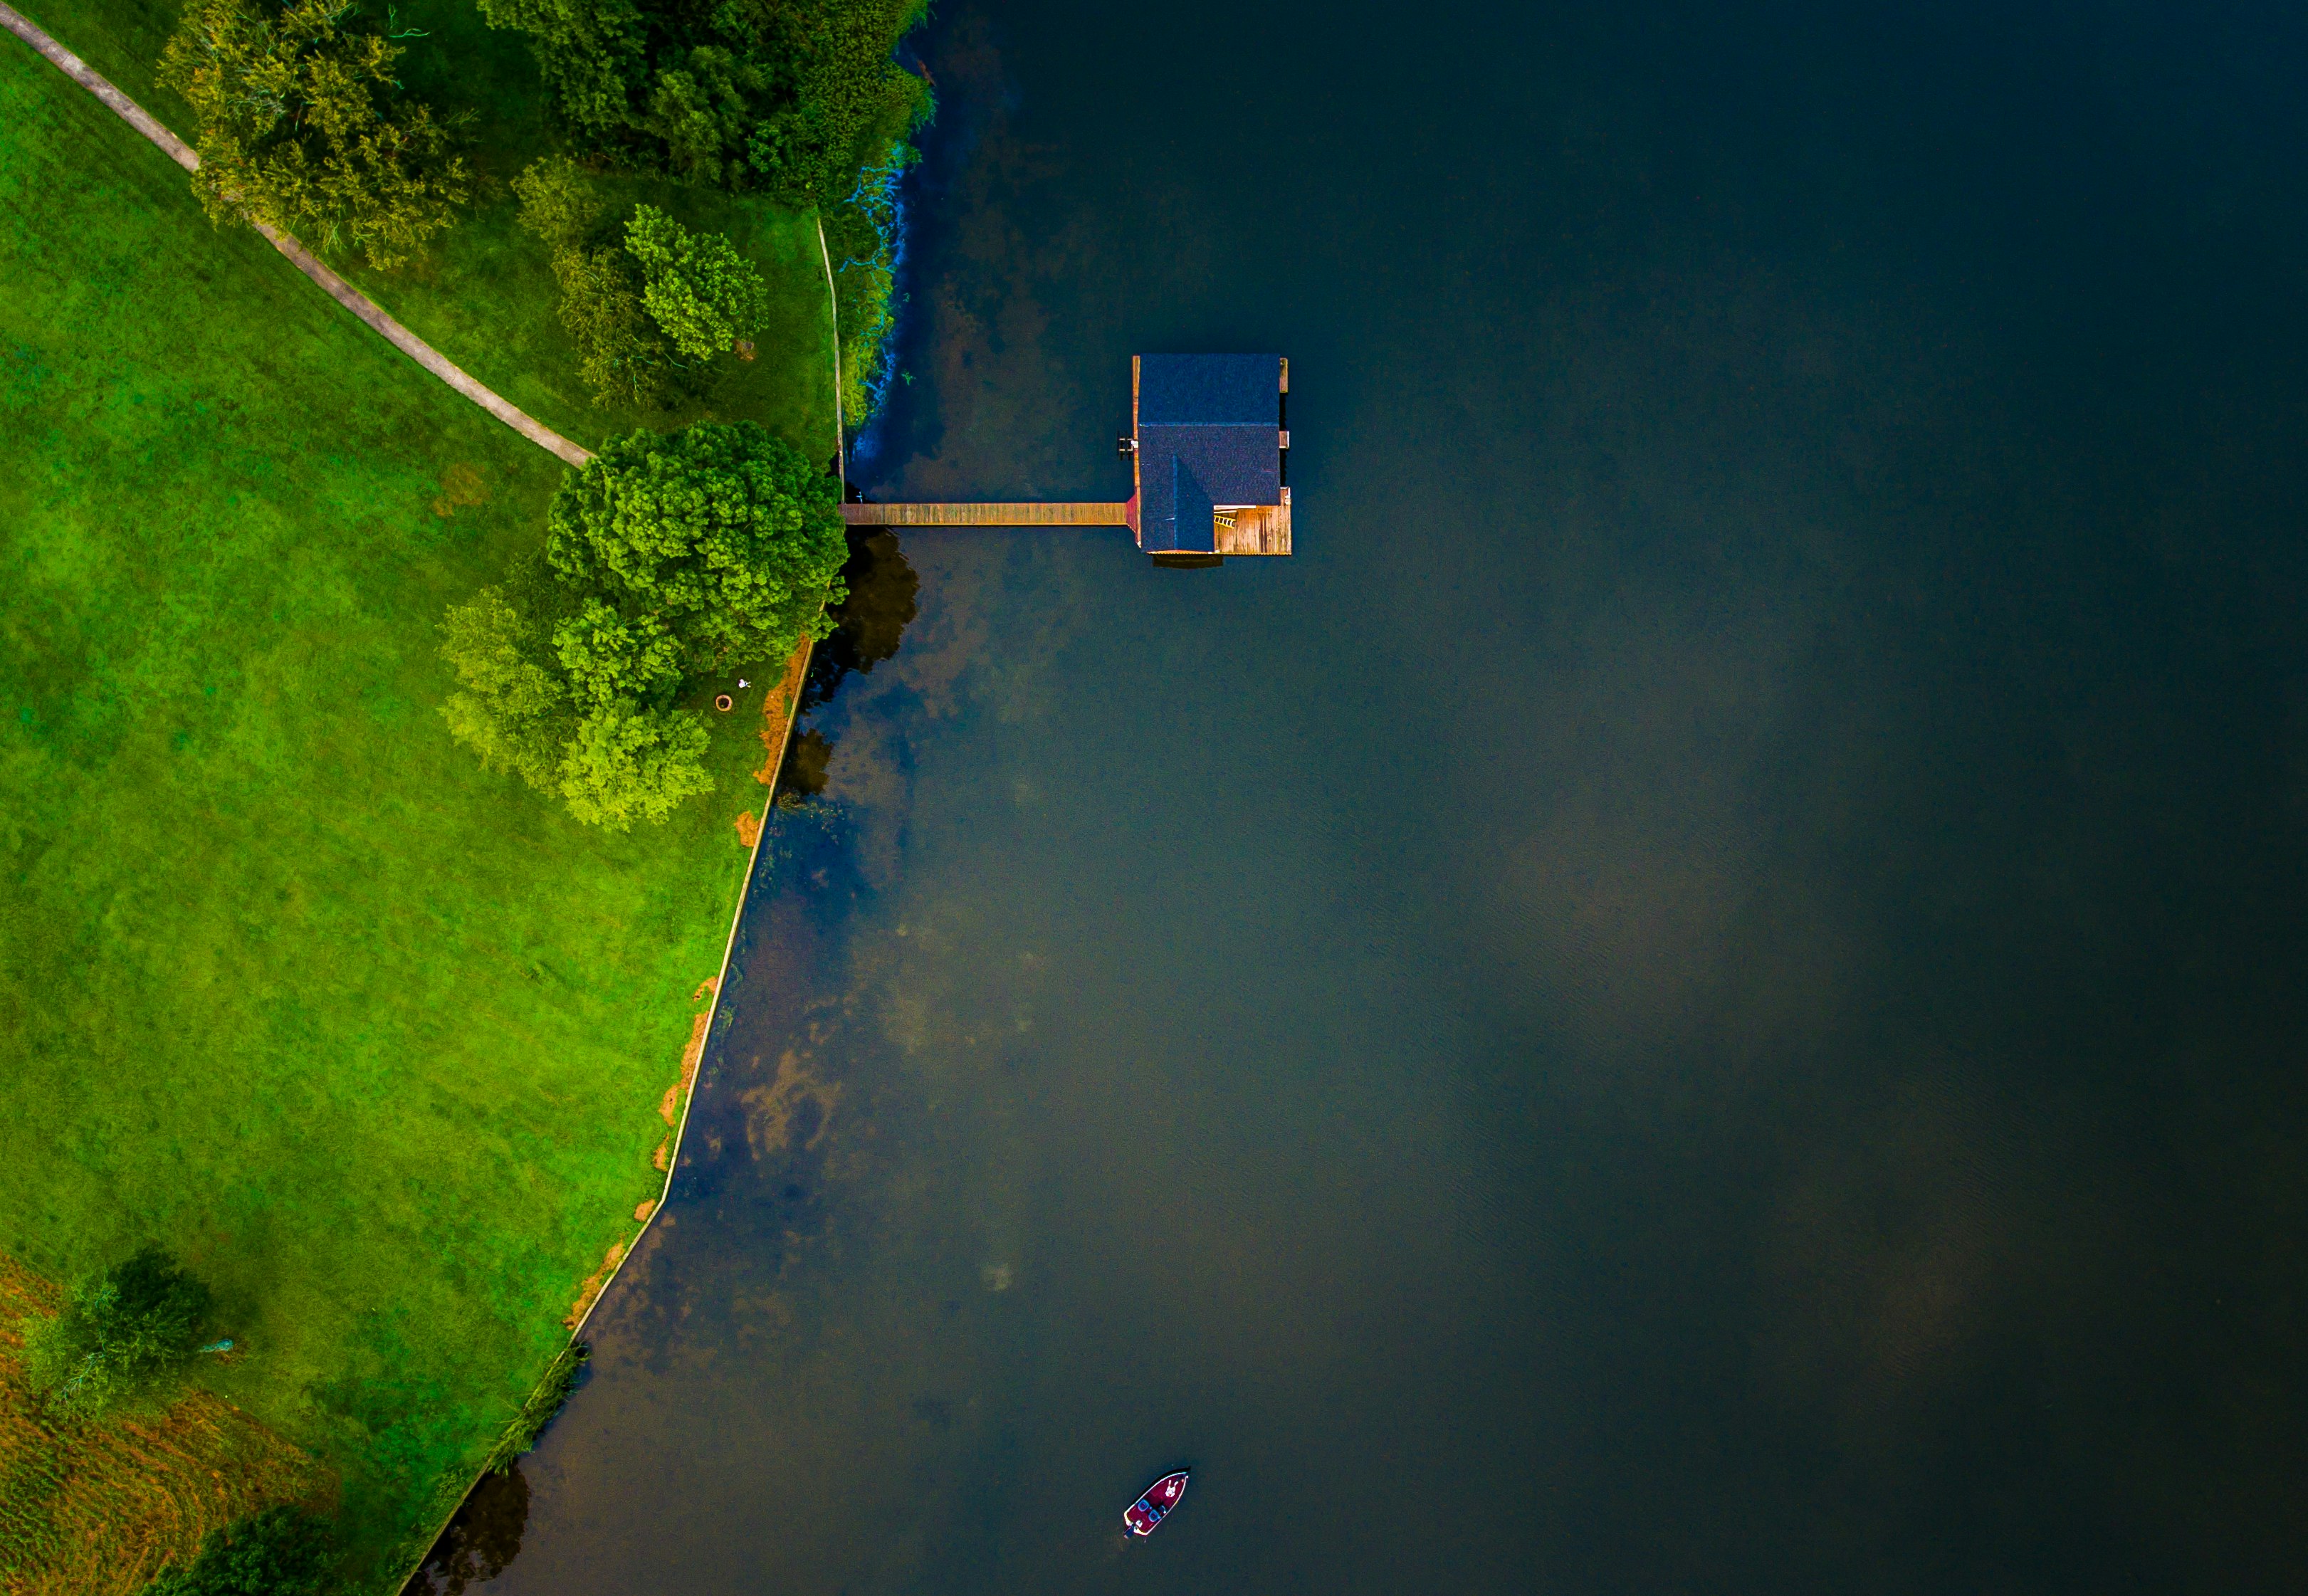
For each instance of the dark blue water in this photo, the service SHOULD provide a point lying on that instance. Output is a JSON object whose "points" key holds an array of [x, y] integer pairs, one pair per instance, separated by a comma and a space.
{"points": [[1704, 992]]}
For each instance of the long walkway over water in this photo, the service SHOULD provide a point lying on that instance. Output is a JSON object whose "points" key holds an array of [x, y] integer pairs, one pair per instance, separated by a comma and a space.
{"points": [[987, 515]]}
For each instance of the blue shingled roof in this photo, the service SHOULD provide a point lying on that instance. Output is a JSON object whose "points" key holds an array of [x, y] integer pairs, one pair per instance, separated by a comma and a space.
{"points": [[1208, 390], [1208, 434]]}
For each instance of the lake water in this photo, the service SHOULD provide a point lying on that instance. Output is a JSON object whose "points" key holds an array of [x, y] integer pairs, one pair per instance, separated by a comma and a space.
{"points": [[1704, 992]]}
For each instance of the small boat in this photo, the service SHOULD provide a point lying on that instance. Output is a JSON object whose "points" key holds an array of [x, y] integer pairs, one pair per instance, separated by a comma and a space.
{"points": [[1155, 1505]]}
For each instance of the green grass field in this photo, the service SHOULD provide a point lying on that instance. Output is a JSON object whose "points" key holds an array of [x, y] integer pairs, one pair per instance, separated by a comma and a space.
{"points": [[485, 295], [371, 1039]]}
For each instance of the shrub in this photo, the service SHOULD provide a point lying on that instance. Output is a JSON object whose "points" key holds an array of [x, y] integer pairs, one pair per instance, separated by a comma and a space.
{"points": [[122, 1332], [300, 126], [542, 1407], [557, 201], [279, 1552]]}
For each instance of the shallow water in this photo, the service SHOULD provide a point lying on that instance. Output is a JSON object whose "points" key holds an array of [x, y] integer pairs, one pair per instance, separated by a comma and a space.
{"points": [[1703, 992]]}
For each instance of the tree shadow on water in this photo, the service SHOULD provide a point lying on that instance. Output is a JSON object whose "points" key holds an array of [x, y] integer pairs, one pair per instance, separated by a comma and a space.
{"points": [[868, 626], [480, 1541]]}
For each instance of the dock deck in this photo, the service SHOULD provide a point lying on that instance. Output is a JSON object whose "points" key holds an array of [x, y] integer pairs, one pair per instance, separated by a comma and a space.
{"points": [[1255, 529]]}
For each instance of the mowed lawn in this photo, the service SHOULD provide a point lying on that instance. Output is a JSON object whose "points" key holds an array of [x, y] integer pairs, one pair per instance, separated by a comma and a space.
{"points": [[484, 293], [371, 1039]]}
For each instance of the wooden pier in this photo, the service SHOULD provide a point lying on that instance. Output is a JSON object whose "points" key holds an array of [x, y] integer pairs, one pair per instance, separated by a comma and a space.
{"points": [[1208, 451], [975, 515]]}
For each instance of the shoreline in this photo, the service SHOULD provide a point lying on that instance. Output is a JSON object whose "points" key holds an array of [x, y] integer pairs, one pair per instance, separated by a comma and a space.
{"points": [[788, 688], [780, 708]]}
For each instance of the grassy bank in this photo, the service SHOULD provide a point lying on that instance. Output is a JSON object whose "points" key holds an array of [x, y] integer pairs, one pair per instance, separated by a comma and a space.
{"points": [[373, 1040]]}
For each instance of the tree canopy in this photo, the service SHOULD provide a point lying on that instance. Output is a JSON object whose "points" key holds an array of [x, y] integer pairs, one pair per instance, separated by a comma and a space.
{"points": [[300, 124], [714, 550], [279, 1552], [121, 1330], [696, 286], [795, 97], [619, 353]]}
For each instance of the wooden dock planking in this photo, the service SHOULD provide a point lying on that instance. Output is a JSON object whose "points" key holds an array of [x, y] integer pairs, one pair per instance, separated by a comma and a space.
{"points": [[977, 514], [1257, 529]]}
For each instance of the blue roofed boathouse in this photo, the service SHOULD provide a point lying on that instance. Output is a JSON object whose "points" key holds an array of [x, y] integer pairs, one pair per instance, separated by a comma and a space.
{"points": [[1209, 450]]}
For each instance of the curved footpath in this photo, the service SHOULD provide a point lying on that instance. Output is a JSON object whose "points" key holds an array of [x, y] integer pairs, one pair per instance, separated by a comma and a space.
{"points": [[432, 359]]}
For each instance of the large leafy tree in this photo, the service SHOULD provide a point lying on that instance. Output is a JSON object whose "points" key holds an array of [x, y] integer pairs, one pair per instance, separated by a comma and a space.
{"points": [[715, 550], [791, 96], [724, 536], [122, 1332], [300, 124], [697, 286]]}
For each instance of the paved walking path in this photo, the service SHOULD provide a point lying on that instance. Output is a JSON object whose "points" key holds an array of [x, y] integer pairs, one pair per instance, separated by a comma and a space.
{"points": [[432, 359]]}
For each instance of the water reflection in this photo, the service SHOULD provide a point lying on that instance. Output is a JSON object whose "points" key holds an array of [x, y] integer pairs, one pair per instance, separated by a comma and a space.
{"points": [[869, 624], [481, 1541]]}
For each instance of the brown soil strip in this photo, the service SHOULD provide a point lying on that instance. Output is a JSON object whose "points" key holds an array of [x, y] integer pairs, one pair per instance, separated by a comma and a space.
{"points": [[590, 1292], [777, 706]]}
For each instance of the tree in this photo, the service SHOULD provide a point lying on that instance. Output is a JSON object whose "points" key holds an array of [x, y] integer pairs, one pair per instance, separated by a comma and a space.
{"points": [[279, 1552], [557, 201], [617, 353], [514, 710], [723, 533], [792, 96], [697, 286], [300, 126], [716, 548], [629, 763], [121, 1333], [850, 105]]}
